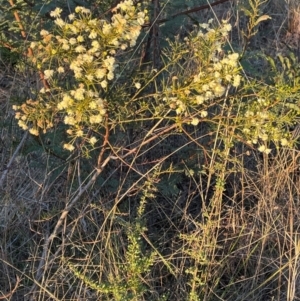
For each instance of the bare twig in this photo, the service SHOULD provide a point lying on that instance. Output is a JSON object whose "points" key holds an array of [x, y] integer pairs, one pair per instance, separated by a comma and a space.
{"points": [[17, 17], [189, 11], [13, 290]]}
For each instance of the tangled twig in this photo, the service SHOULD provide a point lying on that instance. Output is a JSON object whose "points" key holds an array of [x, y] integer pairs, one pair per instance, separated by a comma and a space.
{"points": [[13, 290]]}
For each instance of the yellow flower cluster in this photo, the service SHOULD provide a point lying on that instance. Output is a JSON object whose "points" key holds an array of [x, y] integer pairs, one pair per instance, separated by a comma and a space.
{"points": [[90, 44], [220, 70], [78, 63], [214, 71], [261, 125], [82, 106], [36, 113]]}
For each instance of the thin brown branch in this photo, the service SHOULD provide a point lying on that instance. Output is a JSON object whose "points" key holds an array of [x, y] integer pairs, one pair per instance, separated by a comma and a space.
{"points": [[155, 136], [6, 45], [29, 50], [189, 11], [17, 17], [105, 142], [13, 290]]}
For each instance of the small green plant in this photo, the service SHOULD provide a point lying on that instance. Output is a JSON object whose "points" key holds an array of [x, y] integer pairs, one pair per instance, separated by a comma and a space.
{"points": [[129, 281], [252, 9]]}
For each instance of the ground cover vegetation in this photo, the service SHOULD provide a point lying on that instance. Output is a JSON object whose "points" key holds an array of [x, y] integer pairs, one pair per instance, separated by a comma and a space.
{"points": [[149, 150]]}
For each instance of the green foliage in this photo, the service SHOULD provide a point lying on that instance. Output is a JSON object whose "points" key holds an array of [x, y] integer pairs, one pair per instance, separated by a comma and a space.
{"points": [[127, 283], [8, 57], [253, 10]]}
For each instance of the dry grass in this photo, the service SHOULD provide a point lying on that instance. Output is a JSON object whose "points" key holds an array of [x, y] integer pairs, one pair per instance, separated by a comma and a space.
{"points": [[244, 242]]}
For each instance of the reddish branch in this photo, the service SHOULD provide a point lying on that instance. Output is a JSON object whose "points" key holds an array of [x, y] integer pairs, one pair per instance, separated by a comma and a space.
{"points": [[17, 17], [104, 144], [13, 290], [29, 51]]}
